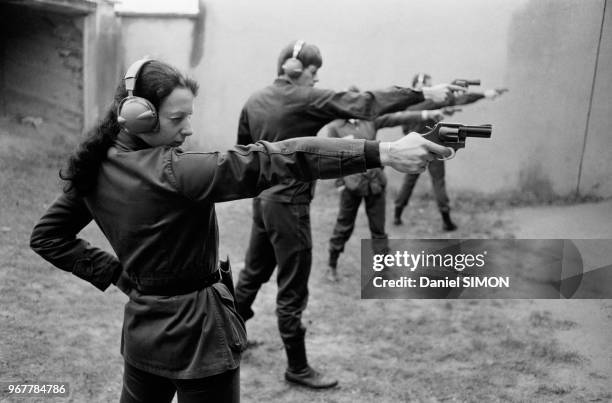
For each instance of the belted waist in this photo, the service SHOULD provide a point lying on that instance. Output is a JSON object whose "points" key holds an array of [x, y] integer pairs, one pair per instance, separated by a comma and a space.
{"points": [[180, 286]]}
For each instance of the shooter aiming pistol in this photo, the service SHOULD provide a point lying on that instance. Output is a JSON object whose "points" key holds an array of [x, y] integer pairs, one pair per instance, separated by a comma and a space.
{"points": [[465, 82], [453, 134]]}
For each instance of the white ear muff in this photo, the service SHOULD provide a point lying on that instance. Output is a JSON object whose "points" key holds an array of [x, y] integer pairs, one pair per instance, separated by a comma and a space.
{"points": [[293, 66], [136, 114]]}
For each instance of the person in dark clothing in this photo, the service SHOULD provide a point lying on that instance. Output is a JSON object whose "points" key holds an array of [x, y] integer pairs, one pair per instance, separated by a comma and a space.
{"points": [[369, 187], [436, 168], [155, 203], [280, 231]]}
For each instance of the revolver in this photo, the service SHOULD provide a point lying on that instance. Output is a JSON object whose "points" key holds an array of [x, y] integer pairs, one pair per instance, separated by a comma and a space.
{"points": [[453, 134], [465, 82]]}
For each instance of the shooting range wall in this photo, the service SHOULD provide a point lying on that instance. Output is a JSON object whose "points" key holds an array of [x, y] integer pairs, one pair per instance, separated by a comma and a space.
{"points": [[559, 65], [596, 169], [42, 65], [52, 52], [551, 130], [176, 38]]}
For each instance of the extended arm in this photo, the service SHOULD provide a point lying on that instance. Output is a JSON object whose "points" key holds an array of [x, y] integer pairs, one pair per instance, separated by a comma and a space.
{"points": [[370, 104], [473, 96], [247, 170], [407, 118]]}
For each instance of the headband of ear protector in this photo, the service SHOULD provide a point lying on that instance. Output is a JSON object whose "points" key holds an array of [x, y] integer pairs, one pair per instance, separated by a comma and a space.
{"points": [[135, 114], [420, 78], [293, 66]]}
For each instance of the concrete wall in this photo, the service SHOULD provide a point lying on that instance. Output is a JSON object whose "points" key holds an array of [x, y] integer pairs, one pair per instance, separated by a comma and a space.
{"points": [[59, 60], [545, 51], [165, 38], [102, 55], [551, 61], [42, 65], [596, 168]]}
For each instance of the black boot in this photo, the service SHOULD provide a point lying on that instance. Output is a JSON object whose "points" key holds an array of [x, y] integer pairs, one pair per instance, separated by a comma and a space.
{"points": [[296, 355], [448, 224], [333, 258], [397, 216], [299, 372]]}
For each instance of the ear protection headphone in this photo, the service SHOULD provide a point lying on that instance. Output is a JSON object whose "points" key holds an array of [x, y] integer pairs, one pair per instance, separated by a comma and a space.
{"points": [[293, 66], [136, 114], [420, 78]]}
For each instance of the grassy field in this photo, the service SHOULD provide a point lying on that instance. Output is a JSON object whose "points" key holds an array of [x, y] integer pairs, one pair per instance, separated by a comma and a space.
{"points": [[55, 327]]}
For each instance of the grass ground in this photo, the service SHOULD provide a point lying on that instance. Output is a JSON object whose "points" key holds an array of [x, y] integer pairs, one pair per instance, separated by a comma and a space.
{"points": [[55, 327]]}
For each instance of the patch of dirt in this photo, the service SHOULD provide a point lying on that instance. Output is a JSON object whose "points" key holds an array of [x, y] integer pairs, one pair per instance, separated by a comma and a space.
{"points": [[55, 327]]}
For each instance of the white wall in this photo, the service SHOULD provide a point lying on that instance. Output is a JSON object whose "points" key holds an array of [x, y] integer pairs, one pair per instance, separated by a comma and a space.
{"points": [[537, 48]]}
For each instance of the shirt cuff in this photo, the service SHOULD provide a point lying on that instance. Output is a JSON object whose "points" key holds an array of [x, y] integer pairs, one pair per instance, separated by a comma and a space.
{"points": [[372, 154], [419, 96]]}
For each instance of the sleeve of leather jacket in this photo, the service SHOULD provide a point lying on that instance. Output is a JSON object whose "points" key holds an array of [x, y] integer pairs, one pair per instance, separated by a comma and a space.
{"points": [[244, 133], [469, 98], [365, 105], [429, 105], [462, 99], [54, 238], [247, 170], [397, 119]]}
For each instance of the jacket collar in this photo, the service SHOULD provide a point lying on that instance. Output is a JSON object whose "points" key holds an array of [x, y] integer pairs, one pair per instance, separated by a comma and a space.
{"points": [[128, 142], [282, 81]]}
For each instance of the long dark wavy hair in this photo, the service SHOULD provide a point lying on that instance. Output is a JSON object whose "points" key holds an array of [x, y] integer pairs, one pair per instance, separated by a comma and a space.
{"points": [[155, 82]]}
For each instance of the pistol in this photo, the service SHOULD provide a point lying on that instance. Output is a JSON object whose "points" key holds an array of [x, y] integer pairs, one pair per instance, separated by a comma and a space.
{"points": [[450, 110], [454, 134], [465, 82]]}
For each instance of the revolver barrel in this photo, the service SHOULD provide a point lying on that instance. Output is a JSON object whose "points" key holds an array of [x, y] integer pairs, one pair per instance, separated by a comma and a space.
{"points": [[483, 131], [466, 82]]}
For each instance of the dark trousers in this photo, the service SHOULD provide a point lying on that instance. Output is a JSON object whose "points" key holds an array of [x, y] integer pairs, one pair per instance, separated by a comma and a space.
{"points": [[280, 236], [345, 223], [436, 172], [144, 387]]}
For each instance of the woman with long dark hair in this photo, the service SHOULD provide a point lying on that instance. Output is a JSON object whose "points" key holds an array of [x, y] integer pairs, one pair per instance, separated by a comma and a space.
{"points": [[154, 202]]}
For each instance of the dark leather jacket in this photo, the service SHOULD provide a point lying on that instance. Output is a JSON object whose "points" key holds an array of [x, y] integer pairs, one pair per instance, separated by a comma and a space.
{"points": [[156, 205]]}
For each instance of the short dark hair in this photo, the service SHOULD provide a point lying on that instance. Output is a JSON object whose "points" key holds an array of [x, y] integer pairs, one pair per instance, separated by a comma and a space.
{"points": [[309, 55]]}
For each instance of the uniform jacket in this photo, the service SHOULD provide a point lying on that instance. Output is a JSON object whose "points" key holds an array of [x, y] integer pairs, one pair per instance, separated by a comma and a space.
{"points": [[156, 208], [374, 180], [284, 110]]}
